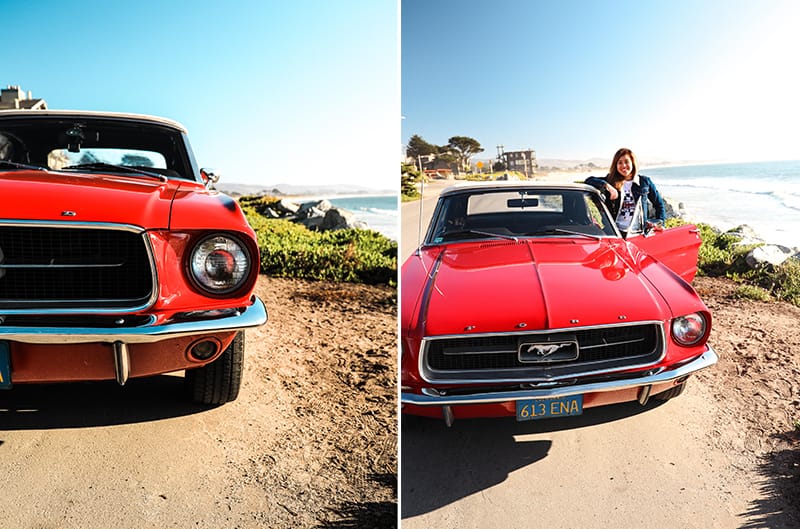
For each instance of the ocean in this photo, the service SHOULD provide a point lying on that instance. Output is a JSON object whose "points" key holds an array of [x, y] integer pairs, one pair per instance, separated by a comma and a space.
{"points": [[762, 195], [378, 211]]}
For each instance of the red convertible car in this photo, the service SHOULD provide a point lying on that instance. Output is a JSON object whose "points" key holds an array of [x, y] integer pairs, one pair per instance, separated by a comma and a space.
{"points": [[524, 300], [117, 257]]}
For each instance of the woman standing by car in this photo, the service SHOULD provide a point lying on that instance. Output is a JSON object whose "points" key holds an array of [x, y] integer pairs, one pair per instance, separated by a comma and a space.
{"points": [[625, 189]]}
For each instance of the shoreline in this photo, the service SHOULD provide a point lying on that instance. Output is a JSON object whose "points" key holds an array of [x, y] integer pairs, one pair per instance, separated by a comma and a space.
{"points": [[311, 198]]}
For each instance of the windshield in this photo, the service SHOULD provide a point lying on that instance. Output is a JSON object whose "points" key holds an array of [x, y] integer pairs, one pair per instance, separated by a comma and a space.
{"points": [[478, 214], [96, 144]]}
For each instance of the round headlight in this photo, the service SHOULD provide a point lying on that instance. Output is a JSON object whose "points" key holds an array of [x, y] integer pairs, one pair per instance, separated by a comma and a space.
{"points": [[220, 264], [689, 329]]}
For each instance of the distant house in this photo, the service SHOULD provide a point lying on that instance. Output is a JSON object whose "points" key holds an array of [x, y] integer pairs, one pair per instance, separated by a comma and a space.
{"points": [[434, 166], [13, 98], [439, 173], [522, 161]]}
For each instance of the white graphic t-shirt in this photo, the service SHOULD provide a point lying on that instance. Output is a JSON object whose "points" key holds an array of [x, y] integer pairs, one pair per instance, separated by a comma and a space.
{"points": [[628, 206]]}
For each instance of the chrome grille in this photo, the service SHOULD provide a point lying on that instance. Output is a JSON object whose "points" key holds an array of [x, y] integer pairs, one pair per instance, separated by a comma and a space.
{"points": [[493, 357], [73, 267]]}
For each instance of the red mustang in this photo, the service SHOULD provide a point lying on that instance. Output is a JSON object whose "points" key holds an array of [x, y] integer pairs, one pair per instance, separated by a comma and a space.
{"points": [[117, 258], [524, 300]]}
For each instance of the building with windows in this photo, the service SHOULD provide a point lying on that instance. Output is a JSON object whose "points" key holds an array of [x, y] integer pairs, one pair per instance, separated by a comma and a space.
{"points": [[522, 161], [13, 98]]}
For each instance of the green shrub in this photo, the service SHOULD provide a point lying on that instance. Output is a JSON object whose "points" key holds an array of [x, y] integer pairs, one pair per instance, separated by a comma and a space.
{"points": [[720, 255], [352, 256], [752, 292], [782, 281], [259, 203]]}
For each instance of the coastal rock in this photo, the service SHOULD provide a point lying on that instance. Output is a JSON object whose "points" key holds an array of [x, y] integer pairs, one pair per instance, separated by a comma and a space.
{"points": [[673, 208], [312, 223], [771, 254], [340, 219], [270, 213], [746, 235], [286, 206], [315, 208], [314, 214]]}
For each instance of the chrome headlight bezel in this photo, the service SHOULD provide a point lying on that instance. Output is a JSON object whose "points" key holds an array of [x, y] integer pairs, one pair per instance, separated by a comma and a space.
{"points": [[689, 330], [219, 264]]}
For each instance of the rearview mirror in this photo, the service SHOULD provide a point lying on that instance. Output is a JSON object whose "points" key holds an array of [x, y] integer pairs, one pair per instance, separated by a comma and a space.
{"points": [[522, 203]]}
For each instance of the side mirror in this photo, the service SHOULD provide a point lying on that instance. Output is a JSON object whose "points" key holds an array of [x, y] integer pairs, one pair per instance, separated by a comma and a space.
{"points": [[209, 177], [653, 228]]}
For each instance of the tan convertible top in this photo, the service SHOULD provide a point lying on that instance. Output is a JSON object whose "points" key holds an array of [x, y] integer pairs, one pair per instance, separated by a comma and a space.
{"points": [[122, 116]]}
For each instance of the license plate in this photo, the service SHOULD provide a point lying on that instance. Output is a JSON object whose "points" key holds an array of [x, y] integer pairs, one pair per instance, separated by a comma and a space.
{"points": [[5, 366], [528, 410]]}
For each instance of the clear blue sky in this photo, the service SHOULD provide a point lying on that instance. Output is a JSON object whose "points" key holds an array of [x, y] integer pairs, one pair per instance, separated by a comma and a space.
{"points": [[271, 91], [673, 80]]}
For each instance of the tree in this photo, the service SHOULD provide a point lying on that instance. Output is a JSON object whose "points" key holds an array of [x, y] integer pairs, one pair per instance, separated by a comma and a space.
{"points": [[409, 176], [419, 147], [463, 147], [87, 158], [137, 160]]}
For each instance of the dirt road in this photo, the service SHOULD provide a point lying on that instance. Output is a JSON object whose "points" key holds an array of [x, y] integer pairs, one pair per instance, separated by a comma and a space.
{"points": [[310, 442], [725, 454]]}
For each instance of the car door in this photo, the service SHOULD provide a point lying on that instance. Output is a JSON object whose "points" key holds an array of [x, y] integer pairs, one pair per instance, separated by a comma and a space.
{"points": [[674, 247]]}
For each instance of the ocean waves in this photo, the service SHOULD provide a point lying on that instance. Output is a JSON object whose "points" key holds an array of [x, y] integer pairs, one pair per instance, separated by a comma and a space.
{"points": [[762, 195], [379, 212]]}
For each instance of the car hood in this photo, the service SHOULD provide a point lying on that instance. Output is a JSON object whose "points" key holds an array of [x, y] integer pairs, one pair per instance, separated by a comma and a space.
{"points": [[61, 196], [508, 286]]}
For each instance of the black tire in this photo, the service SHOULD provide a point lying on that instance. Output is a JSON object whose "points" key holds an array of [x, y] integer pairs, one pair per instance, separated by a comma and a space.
{"points": [[671, 393], [219, 381]]}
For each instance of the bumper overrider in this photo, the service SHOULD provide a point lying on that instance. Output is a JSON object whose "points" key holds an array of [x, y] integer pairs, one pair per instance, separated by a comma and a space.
{"points": [[644, 381], [62, 345]]}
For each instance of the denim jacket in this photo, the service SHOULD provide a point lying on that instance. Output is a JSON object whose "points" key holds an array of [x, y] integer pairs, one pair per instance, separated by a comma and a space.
{"points": [[644, 191]]}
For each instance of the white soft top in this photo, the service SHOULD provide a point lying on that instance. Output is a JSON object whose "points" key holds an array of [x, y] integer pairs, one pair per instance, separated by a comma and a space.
{"points": [[514, 184], [122, 116]]}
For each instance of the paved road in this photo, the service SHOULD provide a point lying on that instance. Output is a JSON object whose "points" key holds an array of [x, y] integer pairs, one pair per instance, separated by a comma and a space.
{"points": [[411, 229], [618, 467]]}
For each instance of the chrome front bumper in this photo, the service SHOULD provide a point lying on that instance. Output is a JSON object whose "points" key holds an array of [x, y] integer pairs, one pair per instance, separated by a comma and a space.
{"points": [[434, 397], [200, 323], [197, 323]]}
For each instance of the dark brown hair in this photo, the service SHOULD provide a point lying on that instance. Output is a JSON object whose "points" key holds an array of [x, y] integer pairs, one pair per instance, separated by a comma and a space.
{"points": [[616, 179]]}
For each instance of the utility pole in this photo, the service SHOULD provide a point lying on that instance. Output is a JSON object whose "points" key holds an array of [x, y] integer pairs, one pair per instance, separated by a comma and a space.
{"points": [[500, 155]]}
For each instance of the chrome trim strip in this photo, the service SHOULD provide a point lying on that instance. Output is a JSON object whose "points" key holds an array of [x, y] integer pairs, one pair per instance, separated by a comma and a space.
{"points": [[644, 394], [252, 316], [59, 266], [527, 331], [621, 342], [36, 309], [122, 362], [72, 224], [429, 375], [431, 397]]}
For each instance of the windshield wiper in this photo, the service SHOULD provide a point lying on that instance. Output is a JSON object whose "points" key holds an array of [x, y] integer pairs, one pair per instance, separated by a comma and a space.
{"points": [[15, 165], [556, 231], [116, 169], [483, 233]]}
